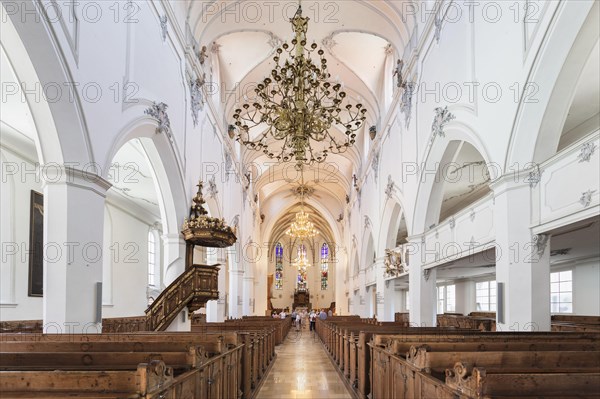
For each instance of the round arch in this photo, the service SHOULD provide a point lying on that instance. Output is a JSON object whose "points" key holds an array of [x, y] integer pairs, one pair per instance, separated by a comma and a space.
{"points": [[455, 132], [391, 218], [62, 134], [368, 248], [571, 38], [173, 201]]}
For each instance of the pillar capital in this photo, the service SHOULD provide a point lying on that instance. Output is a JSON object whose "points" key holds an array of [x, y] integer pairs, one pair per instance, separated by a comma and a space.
{"points": [[54, 173]]}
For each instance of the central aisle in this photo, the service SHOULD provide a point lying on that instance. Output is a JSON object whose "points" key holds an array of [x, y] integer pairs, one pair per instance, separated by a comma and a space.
{"points": [[302, 369]]}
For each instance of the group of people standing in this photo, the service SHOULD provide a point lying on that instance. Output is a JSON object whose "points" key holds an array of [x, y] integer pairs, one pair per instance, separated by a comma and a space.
{"points": [[299, 316]]}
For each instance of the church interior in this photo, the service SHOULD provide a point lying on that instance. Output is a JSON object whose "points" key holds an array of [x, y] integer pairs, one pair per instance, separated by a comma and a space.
{"points": [[300, 199]]}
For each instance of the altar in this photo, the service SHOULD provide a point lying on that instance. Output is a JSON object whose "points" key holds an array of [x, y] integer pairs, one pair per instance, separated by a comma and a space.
{"points": [[301, 299]]}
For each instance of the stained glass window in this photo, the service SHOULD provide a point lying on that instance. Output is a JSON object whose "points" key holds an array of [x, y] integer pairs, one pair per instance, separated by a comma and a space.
{"points": [[302, 283], [278, 266], [324, 266]]}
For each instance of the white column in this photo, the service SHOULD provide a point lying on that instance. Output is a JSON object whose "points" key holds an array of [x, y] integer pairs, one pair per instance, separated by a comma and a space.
{"points": [[338, 265], [522, 262], [173, 256], [362, 305], [73, 236], [422, 289], [391, 301], [236, 293], [465, 296], [225, 295], [380, 307], [248, 296]]}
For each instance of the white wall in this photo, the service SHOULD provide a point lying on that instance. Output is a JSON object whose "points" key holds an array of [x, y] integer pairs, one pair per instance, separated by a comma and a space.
{"points": [[129, 264], [15, 304], [586, 286]]}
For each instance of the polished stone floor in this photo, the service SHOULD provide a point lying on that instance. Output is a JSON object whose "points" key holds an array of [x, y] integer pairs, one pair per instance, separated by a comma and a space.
{"points": [[301, 370]]}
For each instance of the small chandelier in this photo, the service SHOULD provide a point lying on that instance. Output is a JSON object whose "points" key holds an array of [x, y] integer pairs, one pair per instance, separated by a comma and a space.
{"points": [[301, 263], [302, 228], [298, 104]]}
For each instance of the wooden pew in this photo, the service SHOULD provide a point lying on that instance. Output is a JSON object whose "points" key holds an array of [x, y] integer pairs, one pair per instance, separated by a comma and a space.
{"points": [[575, 323], [346, 341], [483, 383], [146, 381], [216, 377], [428, 369], [224, 359]]}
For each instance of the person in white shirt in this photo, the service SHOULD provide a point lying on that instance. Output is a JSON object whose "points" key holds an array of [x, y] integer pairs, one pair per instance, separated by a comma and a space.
{"points": [[312, 317]]}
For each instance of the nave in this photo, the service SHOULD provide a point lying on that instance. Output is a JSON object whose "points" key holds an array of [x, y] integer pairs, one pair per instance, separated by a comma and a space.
{"points": [[302, 370]]}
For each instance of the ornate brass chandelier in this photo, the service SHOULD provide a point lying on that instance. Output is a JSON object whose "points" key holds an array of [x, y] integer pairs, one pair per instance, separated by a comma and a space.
{"points": [[298, 105]]}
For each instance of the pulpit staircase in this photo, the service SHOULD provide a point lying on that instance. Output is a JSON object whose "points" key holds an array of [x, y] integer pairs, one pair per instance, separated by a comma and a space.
{"points": [[197, 285]]}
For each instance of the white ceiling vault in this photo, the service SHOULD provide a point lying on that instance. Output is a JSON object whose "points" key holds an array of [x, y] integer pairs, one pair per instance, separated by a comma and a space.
{"points": [[361, 39]]}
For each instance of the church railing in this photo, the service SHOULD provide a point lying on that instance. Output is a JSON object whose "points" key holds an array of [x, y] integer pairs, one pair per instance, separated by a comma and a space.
{"points": [[192, 289]]}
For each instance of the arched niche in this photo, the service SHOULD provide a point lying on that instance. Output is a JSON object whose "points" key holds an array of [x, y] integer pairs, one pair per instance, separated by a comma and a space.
{"points": [[583, 115], [173, 199], [368, 250], [136, 207], [462, 178]]}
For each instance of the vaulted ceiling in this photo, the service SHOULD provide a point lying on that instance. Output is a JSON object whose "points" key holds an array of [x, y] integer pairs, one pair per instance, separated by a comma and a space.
{"points": [[361, 40]]}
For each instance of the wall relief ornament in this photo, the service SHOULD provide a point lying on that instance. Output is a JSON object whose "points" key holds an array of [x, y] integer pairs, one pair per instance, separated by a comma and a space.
{"points": [[587, 150], [203, 55], [452, 222], [228, 163], [406, 102], [274, 41], [367, 222], [375, 166], [586, 198], [159, 112], [215, 48], [437, 22], [163, 27], [328, 42], [212, 188], [535, 176], [472, 214], [540, 241], [426, 274], [442, 117], [196, 98], [390, 188], [400, 83], [393, 262]]}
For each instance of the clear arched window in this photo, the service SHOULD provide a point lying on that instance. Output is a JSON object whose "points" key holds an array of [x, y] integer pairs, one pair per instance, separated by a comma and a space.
{"points": [[278, 266], [151, 259], [324, 266]]}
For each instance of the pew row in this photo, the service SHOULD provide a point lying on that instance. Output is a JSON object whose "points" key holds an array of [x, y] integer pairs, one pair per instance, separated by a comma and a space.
{"points": [[220, 362], [517, 364]]}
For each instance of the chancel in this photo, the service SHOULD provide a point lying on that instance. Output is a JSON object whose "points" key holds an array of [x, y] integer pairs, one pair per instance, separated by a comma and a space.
{"points": [[329, 199]]}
